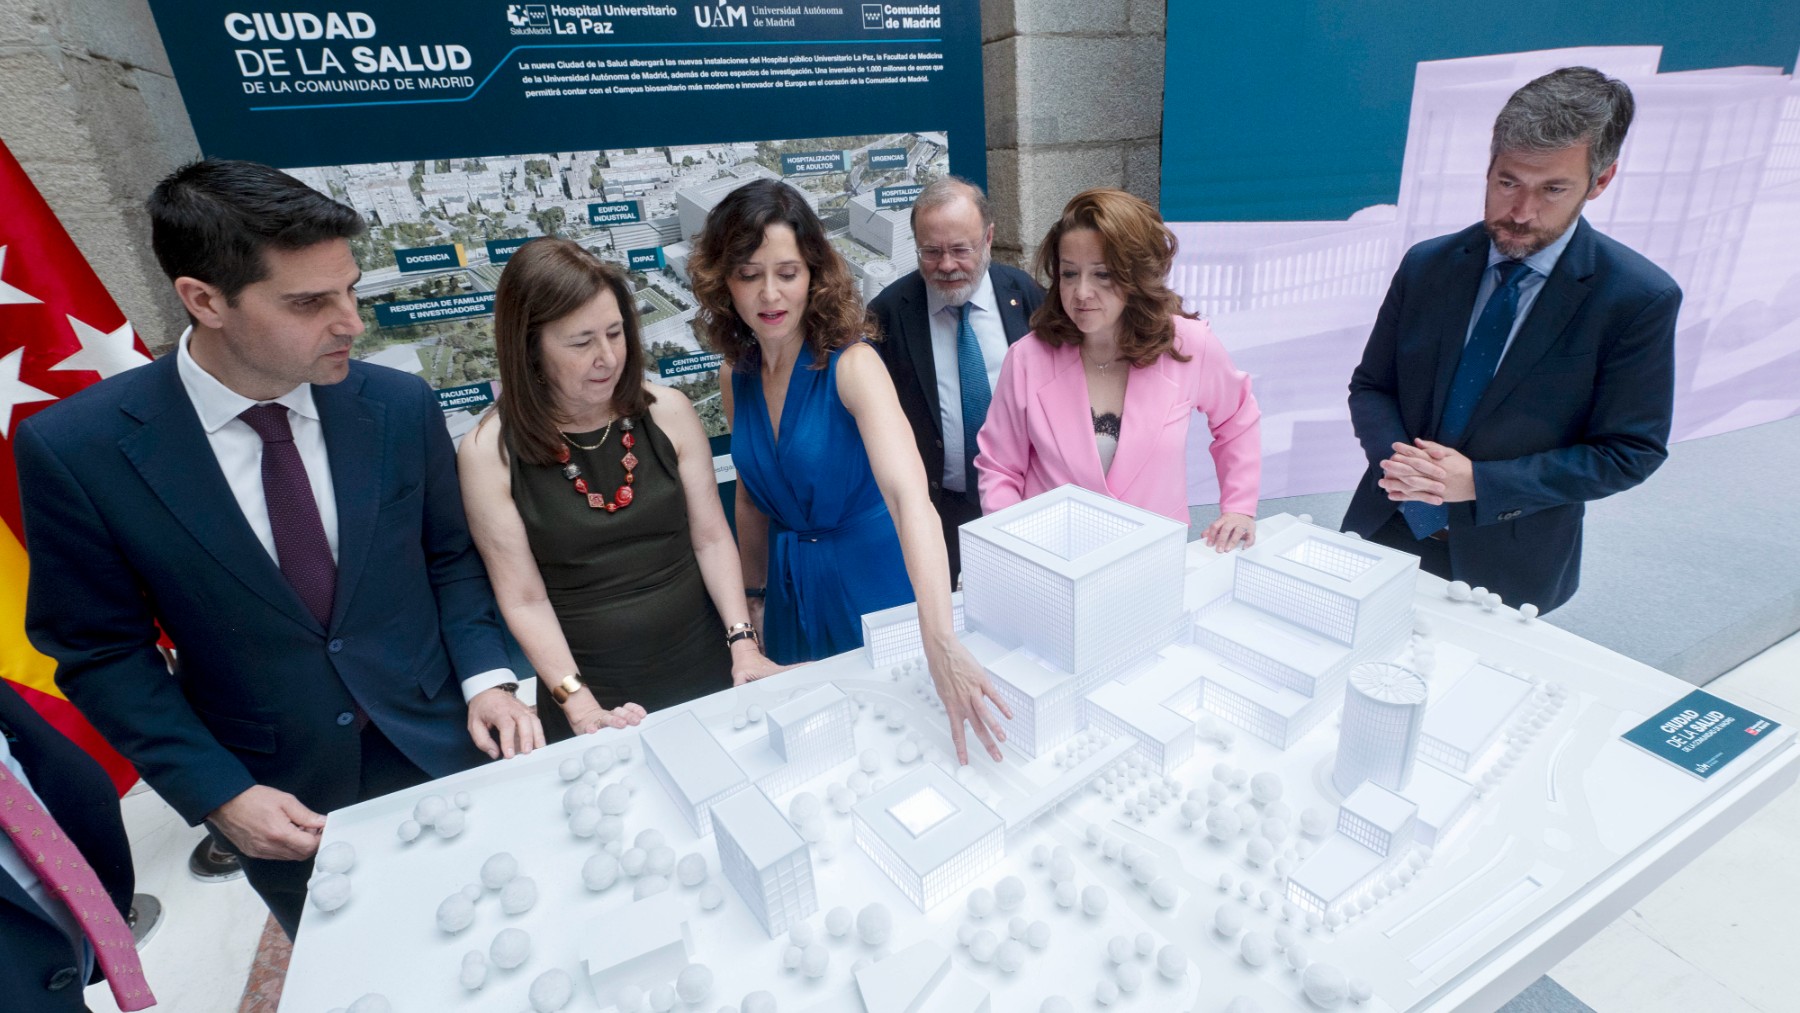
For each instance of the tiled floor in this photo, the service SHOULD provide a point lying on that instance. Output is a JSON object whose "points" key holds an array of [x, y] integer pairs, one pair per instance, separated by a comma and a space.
{"points": [[1679, 951]]}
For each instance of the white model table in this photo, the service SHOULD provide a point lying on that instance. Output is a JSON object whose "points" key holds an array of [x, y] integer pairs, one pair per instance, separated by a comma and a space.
{"points": [[1579, 828]]}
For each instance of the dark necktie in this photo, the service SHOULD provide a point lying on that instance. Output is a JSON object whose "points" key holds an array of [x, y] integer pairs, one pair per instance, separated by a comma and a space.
{"points": [[1474, 371], [972, 377], [71, 880], [300, 545]]}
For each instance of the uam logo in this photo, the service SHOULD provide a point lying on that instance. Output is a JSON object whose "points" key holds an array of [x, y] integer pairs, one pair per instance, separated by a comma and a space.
{"points": [[722, 15], [872, 17], [528, 16]]}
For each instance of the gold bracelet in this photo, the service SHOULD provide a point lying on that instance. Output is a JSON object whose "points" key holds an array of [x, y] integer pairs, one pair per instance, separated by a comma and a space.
{"points": [[741, 631], [568, 687]]}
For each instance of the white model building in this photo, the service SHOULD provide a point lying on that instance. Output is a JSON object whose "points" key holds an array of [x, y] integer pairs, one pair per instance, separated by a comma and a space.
{"points": [[1357, 593], [1045, 702], [929, 834], [1086, 583], [1165, 739], [811, 733], [1374, 828], [919, 978], [765, 860], [696, 771], [1307, 605], [642, 944], [1464, 726], [1378, 738], [891, 635]]}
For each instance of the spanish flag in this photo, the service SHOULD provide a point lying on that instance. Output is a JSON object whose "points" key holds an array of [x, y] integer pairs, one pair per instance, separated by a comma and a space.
{"points": [[59, 332]]}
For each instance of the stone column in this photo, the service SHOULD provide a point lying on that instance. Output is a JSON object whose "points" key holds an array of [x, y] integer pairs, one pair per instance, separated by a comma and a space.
{"points": [[1074, 100], [89, 107]]}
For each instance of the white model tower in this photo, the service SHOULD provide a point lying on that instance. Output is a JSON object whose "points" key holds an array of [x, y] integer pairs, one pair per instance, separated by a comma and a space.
{"points": [[1086, 583], [764, 860], [1384, 708]]}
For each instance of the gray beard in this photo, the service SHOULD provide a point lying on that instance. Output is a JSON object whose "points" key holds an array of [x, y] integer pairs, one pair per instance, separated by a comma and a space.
{"points": [[964, 290]]}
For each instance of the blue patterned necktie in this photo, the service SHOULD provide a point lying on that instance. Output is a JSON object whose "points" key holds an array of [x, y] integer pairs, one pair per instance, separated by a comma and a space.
{"points": [[972, 376], [1474, 371]]}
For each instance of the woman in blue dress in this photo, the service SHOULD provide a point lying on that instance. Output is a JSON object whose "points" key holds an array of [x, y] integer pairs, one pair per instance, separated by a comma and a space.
{"points": [[833, 515]]}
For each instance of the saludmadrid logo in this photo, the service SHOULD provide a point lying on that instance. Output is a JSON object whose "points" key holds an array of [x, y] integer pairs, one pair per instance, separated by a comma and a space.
{"points": [[528, 19]]}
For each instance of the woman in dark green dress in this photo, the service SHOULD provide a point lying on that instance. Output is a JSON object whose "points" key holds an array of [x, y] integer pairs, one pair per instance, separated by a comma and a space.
{"points": [[591, 496]]}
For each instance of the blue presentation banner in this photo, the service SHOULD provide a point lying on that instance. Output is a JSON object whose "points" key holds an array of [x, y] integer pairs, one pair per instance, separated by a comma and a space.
{"points": [[462, 131], [1700, 733], [309, 85]]}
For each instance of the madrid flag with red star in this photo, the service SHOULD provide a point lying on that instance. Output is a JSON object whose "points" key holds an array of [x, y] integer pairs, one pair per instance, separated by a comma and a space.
{"points": [[59, 332]]}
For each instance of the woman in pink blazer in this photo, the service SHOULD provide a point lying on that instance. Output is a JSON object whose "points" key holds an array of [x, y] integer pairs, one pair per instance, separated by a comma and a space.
{"points": [[1100, 393]]}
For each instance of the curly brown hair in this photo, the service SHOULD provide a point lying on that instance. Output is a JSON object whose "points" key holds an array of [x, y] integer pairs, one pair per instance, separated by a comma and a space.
{"points": [[834, 317], [1139, 249], [546, 280]]}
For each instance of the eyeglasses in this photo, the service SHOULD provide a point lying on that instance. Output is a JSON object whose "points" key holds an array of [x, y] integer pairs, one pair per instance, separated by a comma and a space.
{"points": [[933, 254]]}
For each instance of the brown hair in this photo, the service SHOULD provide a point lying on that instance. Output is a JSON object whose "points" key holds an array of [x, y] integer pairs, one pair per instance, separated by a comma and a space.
{"points": [[546, 280], [1138, 249], [834, 316]]}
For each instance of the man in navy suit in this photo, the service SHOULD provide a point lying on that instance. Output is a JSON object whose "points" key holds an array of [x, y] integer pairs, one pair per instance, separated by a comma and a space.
{"points": [[43, 966], [1521, 367], [929, 349], [289, 517]]}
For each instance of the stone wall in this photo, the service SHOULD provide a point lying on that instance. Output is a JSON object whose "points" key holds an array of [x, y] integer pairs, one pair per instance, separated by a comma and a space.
{"points": [[1074, 100], [90, 109]]}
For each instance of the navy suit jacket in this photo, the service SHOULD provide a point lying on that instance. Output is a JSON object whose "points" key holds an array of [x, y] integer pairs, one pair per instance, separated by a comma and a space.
{"points": [[34, 953], [1578, 409], [901, 311], [129, 523]]}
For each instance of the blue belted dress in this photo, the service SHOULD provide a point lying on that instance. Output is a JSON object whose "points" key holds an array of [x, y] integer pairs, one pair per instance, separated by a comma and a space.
{"points": [[833, 551]]}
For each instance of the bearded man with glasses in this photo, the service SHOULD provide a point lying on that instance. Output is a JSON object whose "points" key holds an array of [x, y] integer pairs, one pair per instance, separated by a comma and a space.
{"points": [[945, 328]]}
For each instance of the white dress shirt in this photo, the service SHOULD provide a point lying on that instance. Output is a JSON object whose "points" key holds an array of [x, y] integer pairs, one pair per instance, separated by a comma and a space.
{"points": [[14, 864], [990, 334], [239, 451]]}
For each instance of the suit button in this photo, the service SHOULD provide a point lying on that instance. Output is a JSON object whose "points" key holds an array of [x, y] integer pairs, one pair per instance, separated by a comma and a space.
{"points": [[1510, 514], [940, 444], [346, 718], [335, 646], [61, 979]]}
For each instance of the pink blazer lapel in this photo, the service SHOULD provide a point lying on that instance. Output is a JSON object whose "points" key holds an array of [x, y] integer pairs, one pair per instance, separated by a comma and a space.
{"points": [[1064, 406], [1151, 399]]}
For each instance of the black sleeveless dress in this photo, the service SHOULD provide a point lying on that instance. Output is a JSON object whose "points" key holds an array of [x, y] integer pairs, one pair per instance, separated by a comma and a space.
{"points": [[625, 585]]}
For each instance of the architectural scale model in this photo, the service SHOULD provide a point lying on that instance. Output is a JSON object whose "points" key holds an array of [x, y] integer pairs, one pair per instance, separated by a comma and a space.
{"points": [[695, 770], [1306, 606], [1384, 708], [806, 843], [929, 834], [765, 860]]}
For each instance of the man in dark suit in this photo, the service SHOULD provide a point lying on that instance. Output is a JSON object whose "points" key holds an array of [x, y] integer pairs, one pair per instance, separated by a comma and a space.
{"points": [[945, 330], [289, 517], [1521, 367], [42, 966]]}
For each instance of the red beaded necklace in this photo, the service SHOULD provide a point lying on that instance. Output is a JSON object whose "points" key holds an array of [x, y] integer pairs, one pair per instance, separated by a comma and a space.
{"points": [[572, 471]]}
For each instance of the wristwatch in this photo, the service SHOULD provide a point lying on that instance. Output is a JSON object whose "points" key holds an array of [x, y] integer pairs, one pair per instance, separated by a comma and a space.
{"points": [[568, 687]]}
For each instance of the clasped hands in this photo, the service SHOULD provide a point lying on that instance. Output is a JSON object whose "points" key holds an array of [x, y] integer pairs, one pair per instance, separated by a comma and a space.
{"points": [[1427, 472]]}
